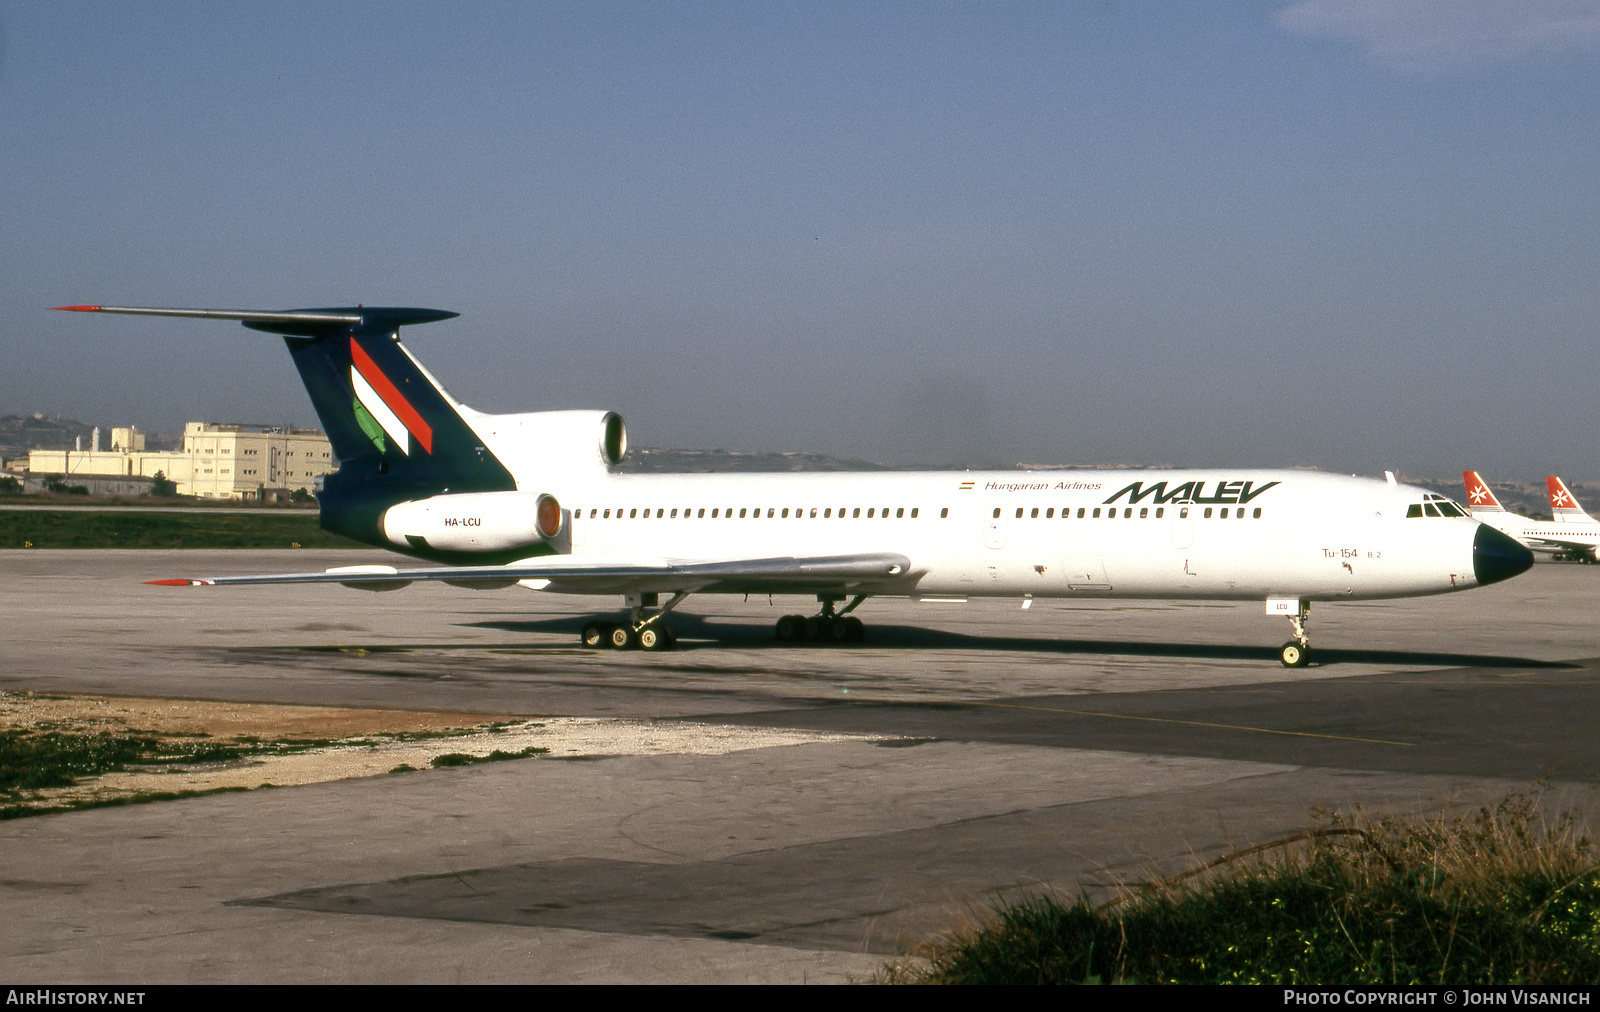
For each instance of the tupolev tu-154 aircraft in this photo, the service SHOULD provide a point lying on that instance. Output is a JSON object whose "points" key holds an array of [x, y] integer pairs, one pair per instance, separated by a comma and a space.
{"points": [[536, 500]]}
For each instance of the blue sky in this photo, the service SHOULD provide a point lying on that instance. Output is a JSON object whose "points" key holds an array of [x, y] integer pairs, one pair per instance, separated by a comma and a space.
{"points": [[1343, 233]]}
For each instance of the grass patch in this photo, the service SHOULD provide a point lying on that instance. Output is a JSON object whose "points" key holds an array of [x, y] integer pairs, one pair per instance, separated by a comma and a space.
{"points": [[1501, 896], [462, 759], [24, 810], [47, 758], [132, 528]]}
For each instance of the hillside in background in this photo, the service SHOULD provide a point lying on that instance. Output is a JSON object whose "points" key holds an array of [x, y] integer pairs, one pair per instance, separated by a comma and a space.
{"points": [[21, 433]]}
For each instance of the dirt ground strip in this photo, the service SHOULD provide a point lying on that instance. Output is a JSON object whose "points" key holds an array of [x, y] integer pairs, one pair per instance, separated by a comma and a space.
{"points": [[349, 742]]}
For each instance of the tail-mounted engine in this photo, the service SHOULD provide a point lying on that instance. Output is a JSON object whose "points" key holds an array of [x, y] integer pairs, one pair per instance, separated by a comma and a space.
{"points": [[474, 522]]}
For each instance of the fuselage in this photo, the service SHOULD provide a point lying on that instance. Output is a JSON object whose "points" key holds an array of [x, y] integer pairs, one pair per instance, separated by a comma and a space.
{"points": [[1169, 534]]}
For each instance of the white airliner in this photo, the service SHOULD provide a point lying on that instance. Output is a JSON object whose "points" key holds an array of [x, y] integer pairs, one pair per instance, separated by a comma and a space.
{"points": [[1573, 533], [535, 500]]}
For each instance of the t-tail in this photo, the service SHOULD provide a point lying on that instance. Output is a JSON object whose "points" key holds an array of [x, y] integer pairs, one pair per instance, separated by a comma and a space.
{"points": [[1479, 499], [1564, 505], [397, 432]]}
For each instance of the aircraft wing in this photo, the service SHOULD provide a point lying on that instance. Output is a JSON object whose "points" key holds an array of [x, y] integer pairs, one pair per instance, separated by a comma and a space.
{"points": [[565, 574]]}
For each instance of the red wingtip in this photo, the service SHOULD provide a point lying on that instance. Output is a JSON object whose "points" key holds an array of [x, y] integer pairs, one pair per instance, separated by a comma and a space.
{"points": [[78, 309], [169, 583]]}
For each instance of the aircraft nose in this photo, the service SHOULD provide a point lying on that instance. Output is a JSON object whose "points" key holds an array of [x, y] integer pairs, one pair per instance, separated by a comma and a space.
{"points": [[1496, 557]]}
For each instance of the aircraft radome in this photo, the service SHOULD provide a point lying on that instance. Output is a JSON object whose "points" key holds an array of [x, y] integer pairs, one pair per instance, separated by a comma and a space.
{"points": [[535, 499]]}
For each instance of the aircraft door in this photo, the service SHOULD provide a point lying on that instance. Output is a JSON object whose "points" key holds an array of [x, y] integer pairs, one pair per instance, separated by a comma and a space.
{"points": [[994, 526]]}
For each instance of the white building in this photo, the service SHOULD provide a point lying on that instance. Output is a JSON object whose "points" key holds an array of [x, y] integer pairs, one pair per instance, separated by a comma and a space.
{"points": [[216, 462]]}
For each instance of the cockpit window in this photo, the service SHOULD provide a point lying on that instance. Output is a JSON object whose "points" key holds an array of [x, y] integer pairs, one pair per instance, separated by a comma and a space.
{"points": [[1436, 506]]}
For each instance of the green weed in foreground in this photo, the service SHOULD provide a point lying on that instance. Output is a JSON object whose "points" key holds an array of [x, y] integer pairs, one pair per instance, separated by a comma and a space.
{"points": [[1498, 897], [462, 759]]}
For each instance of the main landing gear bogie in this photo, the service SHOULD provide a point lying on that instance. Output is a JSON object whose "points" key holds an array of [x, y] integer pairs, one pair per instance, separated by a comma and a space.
{"points": [[820, 629], [638, 632], [827, 626], [623, 636]]}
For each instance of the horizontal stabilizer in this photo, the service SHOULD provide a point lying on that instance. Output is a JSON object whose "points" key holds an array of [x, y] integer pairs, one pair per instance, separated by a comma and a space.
{"points": [[295, 322]]}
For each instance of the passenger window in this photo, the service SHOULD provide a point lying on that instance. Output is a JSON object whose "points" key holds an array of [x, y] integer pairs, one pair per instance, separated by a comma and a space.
{"points": [[1258, 513], [1127, 514], [674, 514], [785, 513], [741, 514], [1035, 515], [827, 513], [857, 512], [944, 513], [997, 513], [769, 512], [1183, 513], [913, 512], [813, 512], [608, 515], [1080, 512], [1144, 511], [1224, 513], [900, 513], [1160, 511], [869, 513], [632, 513], [1208, 512], [1096, 513]]}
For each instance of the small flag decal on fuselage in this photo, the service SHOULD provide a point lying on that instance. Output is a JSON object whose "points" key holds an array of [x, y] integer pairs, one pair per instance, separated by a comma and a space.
{"points": [[384, 403], [966, 486]]}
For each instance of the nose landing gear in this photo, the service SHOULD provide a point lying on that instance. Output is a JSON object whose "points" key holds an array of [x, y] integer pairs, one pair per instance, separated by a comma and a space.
{"points": [[1297, 652]]}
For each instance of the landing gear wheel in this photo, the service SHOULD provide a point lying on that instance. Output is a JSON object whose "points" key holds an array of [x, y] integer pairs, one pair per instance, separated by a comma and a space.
{"points": [[1294, 655], [791, 627], [623, 638], [653, 637], [596, 635], [858, 631]]}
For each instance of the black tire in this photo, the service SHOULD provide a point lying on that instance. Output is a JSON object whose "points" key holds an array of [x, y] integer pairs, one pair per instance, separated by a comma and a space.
{"points": [[655, 637], [1293, 655], [596, 635], [623, 638], [858, 632], [790, 627]]}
